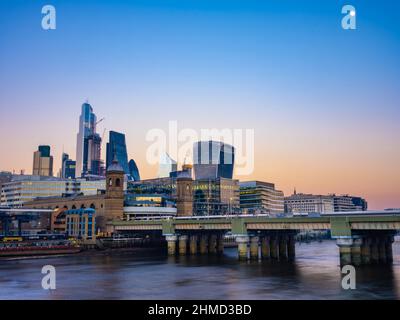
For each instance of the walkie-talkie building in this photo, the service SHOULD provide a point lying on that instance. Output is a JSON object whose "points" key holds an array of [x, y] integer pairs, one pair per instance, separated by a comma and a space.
{"points": [[213, 159]]}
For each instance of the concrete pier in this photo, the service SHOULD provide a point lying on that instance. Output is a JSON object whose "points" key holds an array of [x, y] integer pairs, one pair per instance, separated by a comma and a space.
{"points": [[254, 247], [220, 244], [366, 251], [212, 244], [183, 240], [265, 247], [242, 242], [274, 247], [389, 249], [204, 244], [382, 249], [193, 244], [374, 250], [283, 247], [291, 248], [171, 241], [345, 245], [356, 252]]}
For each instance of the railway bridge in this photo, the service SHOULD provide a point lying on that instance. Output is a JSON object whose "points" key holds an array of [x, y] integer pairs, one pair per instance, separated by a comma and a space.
{"points": [[362, 237]]}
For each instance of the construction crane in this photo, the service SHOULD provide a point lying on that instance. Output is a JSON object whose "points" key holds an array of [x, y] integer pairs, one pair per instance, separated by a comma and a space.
{"points": [[99, 121]]}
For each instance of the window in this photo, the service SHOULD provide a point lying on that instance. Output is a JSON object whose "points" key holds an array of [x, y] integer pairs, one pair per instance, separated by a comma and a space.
{"points": [[118, 182]]}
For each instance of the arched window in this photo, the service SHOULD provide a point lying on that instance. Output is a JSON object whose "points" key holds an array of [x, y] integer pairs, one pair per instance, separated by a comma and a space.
{"points": [[73, 207], [110, 182], [82, 206], [92, 206], [118, 182]]}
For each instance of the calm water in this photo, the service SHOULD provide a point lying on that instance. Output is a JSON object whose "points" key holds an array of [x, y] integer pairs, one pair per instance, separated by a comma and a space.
{"points": [[314, 275]]}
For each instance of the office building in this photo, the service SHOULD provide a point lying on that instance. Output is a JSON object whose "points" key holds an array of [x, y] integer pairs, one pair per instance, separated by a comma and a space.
{"points": [[81, 223], [215, 197], [68, 167], [116, 148], [308, 203], [213, 159], [26, 188], [133, 171], [88, 146], [258, 197], [42, 162], [348, 203]]}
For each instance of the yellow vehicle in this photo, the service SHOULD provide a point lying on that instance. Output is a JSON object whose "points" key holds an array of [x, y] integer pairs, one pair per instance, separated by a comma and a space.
{"points": [[12, 239]]}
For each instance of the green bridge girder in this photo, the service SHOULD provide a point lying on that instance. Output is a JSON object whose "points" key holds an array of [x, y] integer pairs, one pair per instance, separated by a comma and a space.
{"points": [[340, 226]]}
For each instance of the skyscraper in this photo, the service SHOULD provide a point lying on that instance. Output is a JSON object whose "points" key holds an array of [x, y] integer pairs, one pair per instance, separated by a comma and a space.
{"points": [[42, 162], [166, 165], [116, 149], [88, 146], [67, 167], [213, 159], [133, 170]]}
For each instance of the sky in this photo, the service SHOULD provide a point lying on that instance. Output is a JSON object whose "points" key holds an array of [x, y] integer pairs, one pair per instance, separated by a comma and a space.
{"points": [[323, 101]]}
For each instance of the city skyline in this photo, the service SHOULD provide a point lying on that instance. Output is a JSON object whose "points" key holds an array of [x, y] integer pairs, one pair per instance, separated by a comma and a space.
{"points": [[325, 123]]}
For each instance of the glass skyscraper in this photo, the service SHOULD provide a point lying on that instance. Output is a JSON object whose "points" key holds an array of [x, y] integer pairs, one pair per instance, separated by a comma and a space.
{"points": [[88, 146], [213, 159], [116, 147], [133, 170]]}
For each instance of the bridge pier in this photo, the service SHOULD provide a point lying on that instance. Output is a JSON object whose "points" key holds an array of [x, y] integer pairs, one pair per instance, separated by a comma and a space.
{"points": [[183, 240], [366, 251], [356, 251], [265, 247], [204, 244], [344, 245], [212, 244], [274, 247], [374, 250], [382, 250], [242, 241], [282, 247], [193, 244], [291, 248], [171, 241], [254, 247], [389, 249], [220, 244]]}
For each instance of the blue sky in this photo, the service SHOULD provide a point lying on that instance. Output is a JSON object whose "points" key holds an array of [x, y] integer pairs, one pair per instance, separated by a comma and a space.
{"points": [[311, 90]]}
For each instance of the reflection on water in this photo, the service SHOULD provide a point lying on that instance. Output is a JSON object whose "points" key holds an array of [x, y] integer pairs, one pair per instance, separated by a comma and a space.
{"points": [[314, 275]]}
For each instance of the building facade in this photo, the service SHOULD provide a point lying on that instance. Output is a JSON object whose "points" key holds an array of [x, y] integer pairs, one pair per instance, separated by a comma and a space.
{"points": [[81, 223], [258, 197], [215, 197], [25, 188], [116, 148], [308, 203], [133, 170], [88, 145], [42, 162], [68, 167], [213, 160]]}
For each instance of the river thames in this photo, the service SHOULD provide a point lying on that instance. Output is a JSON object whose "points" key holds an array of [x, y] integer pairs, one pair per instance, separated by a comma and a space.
{"points": [[315, 274]]}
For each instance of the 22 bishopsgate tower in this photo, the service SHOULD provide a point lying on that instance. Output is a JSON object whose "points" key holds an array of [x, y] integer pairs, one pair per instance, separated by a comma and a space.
{"points": [[88, 146]]}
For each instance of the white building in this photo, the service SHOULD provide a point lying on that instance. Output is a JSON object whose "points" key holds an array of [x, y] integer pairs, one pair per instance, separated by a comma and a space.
{"points": [[25, 188]]}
